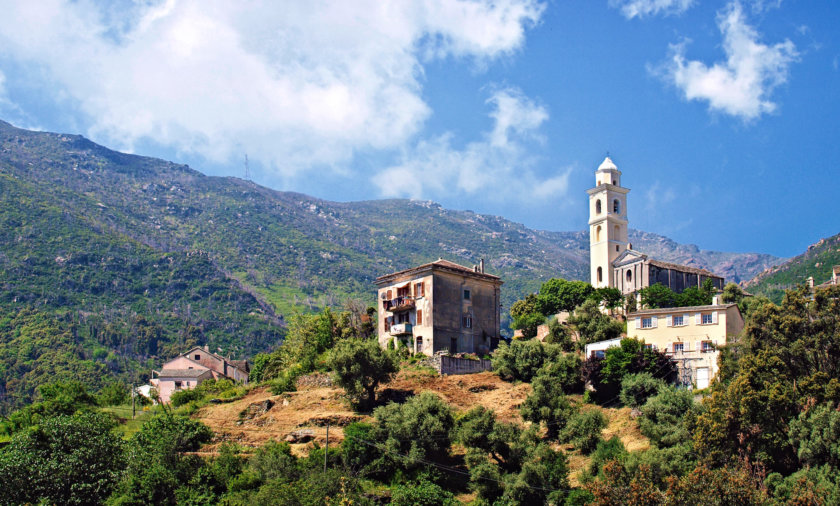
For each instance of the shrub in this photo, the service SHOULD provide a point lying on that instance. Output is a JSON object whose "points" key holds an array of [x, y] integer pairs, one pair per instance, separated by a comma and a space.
{"points": [[637, 388], [421, 493], [547, 403], [584, 430], [605, 451], [360, 366], [521, 360], [182, 397], [664, 416], [418, 429]]}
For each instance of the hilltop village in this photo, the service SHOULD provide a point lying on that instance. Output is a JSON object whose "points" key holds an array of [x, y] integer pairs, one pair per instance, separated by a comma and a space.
{"points": [[651, 383]]}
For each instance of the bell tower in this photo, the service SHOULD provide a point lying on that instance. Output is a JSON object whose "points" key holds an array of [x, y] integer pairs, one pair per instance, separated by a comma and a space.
{"points": [[607, 223]]}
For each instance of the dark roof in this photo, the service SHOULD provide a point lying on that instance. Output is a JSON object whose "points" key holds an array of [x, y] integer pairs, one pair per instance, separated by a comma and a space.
{"points": [[683, 268], [439, 264], [183, 373], [242, 365]]}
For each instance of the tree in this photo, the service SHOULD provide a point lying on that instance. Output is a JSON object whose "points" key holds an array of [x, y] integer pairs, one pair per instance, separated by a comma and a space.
{"points": [[630, 357], [528, 305], [544, 479], [584, 430], [360, 366], [414, 431], [637, 388], [520, 360], [561, 295], [610, 297], [528, 324], [592, 325], [66, 459], [422, 493], [560, 335], [547, 403], [665, 416], [657, 296], [815, 434]]}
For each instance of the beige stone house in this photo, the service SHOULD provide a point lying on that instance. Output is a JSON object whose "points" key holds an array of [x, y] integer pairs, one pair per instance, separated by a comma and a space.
{"points": [[613, 262], [189, 369], [690, 335], [440, 306]]}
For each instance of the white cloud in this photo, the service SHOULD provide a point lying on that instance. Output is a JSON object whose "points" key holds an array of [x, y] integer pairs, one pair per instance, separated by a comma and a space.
{"points": [[740, 86], [296, 84], [496, 167], [642, 8]]}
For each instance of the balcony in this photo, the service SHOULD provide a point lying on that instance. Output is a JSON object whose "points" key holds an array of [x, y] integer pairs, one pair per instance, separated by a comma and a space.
{"points": [[403, 303], [400, 329]]}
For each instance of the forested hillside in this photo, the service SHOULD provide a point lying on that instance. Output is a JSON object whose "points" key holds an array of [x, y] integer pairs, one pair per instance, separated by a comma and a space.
{"points": [[816, 262], [134, 257]]}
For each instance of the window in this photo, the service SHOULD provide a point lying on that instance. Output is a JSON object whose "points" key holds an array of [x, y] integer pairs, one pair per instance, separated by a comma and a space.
{"points": [[629, 276], [599, 354], [419, 345], [453, 345], [419, 290], [419, 317], [616, 206], [647, 323], [598, 233], [707, 346], [177, 385], [649, 347], [678, 321], [466, 295], [616, 247], [598, 206], [707, 319], [188, 383], [600, 275], [388, 295], [198, 357], [467, 321], [679, 347]]}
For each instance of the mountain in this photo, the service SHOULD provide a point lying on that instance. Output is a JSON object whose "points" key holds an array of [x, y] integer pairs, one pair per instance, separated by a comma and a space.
{"points": [[816, 262], [131, 258]]}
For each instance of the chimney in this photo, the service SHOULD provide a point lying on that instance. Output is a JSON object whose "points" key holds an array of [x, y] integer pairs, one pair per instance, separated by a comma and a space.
{"points": [[811, 282], [207, 348], [481, 266]]}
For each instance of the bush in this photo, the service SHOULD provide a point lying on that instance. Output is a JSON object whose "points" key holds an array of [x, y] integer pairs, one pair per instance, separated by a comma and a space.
{"points": [[605, 451], [418, 429], [421, 493], [113, 394], [815, 434], [547, 403], [286, 381], [584, 430], [665, 417], [637, 388], [182, 397], [521, 360]]}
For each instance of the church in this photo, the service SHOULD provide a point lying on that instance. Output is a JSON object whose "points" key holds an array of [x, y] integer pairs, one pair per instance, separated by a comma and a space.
{"points": [[613, 262]]}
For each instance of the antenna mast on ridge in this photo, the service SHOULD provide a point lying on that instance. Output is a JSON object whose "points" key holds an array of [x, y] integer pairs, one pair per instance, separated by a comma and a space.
{"points": [[247, 169]]}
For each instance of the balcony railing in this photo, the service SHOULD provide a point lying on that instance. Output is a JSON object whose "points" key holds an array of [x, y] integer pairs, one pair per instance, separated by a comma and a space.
{"points": [[399, 304], [399, 329]]}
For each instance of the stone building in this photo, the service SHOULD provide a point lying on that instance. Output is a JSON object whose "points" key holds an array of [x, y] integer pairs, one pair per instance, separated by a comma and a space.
{"points": [[613, 262], [440, 306], [189, 369]]}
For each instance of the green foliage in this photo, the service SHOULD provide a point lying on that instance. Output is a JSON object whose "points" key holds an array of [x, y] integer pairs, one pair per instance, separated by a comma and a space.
{"points": [[666, 416], [56, 399], [788, 359], [612, 298], [528, 324], [815, 434], [564, 369], [415, 430], [561, 295], [114, 394], [630, 357], [526, 306], [360, 366], [547, 403], [560, 335], [182, 397], [637, 388], [520, 360], [592, 325], [605, 451], [584, 430], [543, 479], [659, 296], [421, 493], [66, 459]]}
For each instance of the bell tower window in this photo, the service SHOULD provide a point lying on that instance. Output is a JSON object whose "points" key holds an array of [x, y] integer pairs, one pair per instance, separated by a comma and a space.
{"points": [[598, 233], [598, 206], [600, 275], [616, 206]]}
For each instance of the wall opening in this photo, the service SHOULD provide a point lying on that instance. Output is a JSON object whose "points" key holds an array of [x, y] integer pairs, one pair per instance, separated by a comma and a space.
{"points": [[600, 275], [598, 206]]}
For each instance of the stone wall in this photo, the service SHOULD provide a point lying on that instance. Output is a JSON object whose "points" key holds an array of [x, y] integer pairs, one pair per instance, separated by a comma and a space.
{"points": [[445, 364]]}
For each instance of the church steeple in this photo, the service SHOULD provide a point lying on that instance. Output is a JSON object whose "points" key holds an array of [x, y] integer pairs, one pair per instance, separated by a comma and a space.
{"points": [[607, 223]]}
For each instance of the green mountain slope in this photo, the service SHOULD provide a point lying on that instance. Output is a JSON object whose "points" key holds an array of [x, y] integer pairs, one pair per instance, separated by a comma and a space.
{"points": [[816, 262], [134, 257]]}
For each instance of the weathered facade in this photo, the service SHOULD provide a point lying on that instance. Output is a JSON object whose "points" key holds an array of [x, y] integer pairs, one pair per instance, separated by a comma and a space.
{"points": [[189, 369], [440, 306], [613, 262]]}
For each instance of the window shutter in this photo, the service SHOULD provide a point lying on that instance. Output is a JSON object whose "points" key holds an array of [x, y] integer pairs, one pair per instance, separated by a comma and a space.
{"points": [[653, 321], [419, 317], [686, 319], [698, 319], [669, 322], [714, 317], [638, 322]]}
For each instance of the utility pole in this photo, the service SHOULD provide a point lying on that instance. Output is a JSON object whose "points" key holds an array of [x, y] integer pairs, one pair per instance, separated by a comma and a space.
{"points": [[327, 447], [133, 400]]}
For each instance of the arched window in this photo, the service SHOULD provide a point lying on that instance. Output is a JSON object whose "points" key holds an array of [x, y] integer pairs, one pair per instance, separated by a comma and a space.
{"points": [[629, 276], [598, 206], [616, 206], [600, 275], [616, 233], [598, 233]]}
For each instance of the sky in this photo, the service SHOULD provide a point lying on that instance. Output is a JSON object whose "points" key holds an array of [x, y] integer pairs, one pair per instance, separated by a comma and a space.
{"points": [[721, 115]]}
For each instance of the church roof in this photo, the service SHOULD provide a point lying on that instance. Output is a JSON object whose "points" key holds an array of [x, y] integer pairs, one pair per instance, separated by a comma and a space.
{"points": [[607, 164], [630, 256]]}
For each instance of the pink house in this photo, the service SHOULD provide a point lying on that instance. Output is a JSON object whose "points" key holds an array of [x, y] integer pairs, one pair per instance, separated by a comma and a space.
{"points": [[189, 369]]}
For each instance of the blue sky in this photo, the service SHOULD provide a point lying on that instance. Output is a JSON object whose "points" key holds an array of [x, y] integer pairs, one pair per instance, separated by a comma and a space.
{"points": [[722, 115]]}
